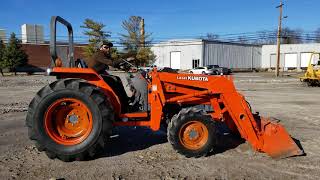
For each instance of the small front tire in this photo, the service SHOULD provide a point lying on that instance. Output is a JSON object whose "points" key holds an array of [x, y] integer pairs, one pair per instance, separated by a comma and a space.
{"points": [[192, 133]]}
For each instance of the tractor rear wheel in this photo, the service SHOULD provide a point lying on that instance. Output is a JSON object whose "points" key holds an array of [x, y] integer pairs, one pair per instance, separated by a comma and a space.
{"points": [[70, 119], [192, 133]]}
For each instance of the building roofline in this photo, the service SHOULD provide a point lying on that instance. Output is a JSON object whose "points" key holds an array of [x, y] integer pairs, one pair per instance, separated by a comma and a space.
{"points": [[294, 44], [231, 43], [204, 41]]}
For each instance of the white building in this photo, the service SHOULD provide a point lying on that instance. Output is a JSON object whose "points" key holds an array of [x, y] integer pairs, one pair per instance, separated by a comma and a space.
{"points": [[292, 56], [188, 54], [179, 54], [32, 33]]}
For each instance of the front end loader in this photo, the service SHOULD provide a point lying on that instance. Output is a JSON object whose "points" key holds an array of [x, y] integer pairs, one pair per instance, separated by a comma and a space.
{"points": [[312, 75], [73, 117]]}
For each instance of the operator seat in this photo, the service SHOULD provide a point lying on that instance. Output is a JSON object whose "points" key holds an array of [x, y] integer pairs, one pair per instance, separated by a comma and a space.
{"points": [[116, 84]]}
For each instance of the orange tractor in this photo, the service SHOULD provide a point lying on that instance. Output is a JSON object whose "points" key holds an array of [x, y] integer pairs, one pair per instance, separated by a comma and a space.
{"points": [[73, 117]]}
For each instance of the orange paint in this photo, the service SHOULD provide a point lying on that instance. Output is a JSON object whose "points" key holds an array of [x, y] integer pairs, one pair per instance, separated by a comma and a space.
{"points": [[193, 135], [68, 121]]}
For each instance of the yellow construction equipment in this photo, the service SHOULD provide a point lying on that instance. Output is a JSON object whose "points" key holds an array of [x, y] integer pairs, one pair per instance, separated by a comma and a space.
{"points": [[312, 75]]}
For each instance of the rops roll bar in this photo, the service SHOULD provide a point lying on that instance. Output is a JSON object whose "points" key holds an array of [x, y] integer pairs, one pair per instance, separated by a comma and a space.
{"points": [[53, 39]]}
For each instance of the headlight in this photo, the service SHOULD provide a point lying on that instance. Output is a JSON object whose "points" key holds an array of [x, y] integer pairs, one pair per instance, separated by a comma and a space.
{"points": [[48, 71]]}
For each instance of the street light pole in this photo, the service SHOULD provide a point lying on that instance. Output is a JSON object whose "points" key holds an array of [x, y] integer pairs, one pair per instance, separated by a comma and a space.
{"points": [[279, 38]]}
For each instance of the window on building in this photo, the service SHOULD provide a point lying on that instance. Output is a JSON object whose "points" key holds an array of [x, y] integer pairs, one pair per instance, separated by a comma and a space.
{"points": [[195, 63]]}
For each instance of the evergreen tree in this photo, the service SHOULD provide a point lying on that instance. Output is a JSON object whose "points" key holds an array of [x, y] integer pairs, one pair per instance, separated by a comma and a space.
{"points": [[96, 36], [136, 44], [2, 62], [14, 56]]}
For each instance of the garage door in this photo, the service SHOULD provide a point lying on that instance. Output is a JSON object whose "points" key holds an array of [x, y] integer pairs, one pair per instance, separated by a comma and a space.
{"points": [[273, 60], [305, 58], [175, 60], [290, 60]]}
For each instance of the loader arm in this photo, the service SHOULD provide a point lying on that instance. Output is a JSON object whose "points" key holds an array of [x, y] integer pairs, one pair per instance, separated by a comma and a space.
{"points": [[263, 134], [228, 106]]}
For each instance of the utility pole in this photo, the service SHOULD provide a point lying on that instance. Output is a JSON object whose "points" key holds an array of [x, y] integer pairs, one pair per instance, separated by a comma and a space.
{"points": [[279, 38], [142, 32]]}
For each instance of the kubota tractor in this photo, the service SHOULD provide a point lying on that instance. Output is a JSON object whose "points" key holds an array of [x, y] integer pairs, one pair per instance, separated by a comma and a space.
{"points": [[73, 117]]}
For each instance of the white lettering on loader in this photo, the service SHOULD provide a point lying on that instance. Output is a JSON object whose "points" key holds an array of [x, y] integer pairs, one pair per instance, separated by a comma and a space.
{"points": [[193, 78]]}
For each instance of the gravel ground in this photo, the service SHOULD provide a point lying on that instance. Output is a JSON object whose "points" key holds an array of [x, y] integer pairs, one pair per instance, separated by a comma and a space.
{"points": [[138, 153]]}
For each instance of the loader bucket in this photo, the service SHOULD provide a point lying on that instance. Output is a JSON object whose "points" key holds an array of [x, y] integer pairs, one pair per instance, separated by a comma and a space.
{"points": [[277, 143]]}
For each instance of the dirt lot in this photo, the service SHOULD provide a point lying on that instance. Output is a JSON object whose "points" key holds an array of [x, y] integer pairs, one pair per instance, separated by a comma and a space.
{"points": [[141, 154]]}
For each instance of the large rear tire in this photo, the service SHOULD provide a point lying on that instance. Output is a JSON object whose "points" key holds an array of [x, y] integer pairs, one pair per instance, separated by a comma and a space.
{"points": [[70, 119], [192, 133]]}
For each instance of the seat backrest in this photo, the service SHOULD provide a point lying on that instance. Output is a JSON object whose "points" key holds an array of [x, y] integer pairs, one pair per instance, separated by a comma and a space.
{"points": [[116, 84], [81, 63]]}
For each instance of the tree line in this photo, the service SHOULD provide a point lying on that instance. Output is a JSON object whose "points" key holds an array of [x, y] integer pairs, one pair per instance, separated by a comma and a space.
{"points": [[136, 43]]}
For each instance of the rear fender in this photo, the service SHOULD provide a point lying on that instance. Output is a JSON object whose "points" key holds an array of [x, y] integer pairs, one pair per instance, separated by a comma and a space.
{"points": [[92, 77]]}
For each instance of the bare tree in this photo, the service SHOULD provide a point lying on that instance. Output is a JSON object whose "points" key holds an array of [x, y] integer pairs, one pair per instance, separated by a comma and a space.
{"points": [[212, 37], [266, 37], [291, 36], [132, 39], [135, 43], [243, 39]]}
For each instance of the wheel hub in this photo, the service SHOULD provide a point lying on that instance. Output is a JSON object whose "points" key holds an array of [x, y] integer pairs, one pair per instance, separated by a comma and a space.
{"points": [[68, 121], [73, 119], [193, 135]]}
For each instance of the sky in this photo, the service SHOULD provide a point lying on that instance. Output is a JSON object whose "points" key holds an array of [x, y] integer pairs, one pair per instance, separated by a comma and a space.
{"points": [[165, 19]]}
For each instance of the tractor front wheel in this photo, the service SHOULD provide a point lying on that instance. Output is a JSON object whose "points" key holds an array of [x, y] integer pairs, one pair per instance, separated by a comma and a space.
{"points": [[70, 119], [192, 133]]}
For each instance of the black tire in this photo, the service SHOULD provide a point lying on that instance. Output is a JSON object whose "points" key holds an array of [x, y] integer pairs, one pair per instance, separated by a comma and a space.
{"points": [[177, 123], [92, 97], [191, 72], [169, 111], [203, 72]]}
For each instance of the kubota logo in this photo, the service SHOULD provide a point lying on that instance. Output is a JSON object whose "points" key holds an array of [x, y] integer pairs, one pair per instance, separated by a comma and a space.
{"points": [[193, 78]]}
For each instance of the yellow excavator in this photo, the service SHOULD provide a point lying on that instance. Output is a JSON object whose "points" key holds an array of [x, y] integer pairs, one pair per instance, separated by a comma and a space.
{"points": [[312, 75]]}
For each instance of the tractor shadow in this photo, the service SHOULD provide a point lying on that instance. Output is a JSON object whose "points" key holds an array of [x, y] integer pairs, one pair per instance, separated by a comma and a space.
{"points": [[128, 139], [226, 140]]}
